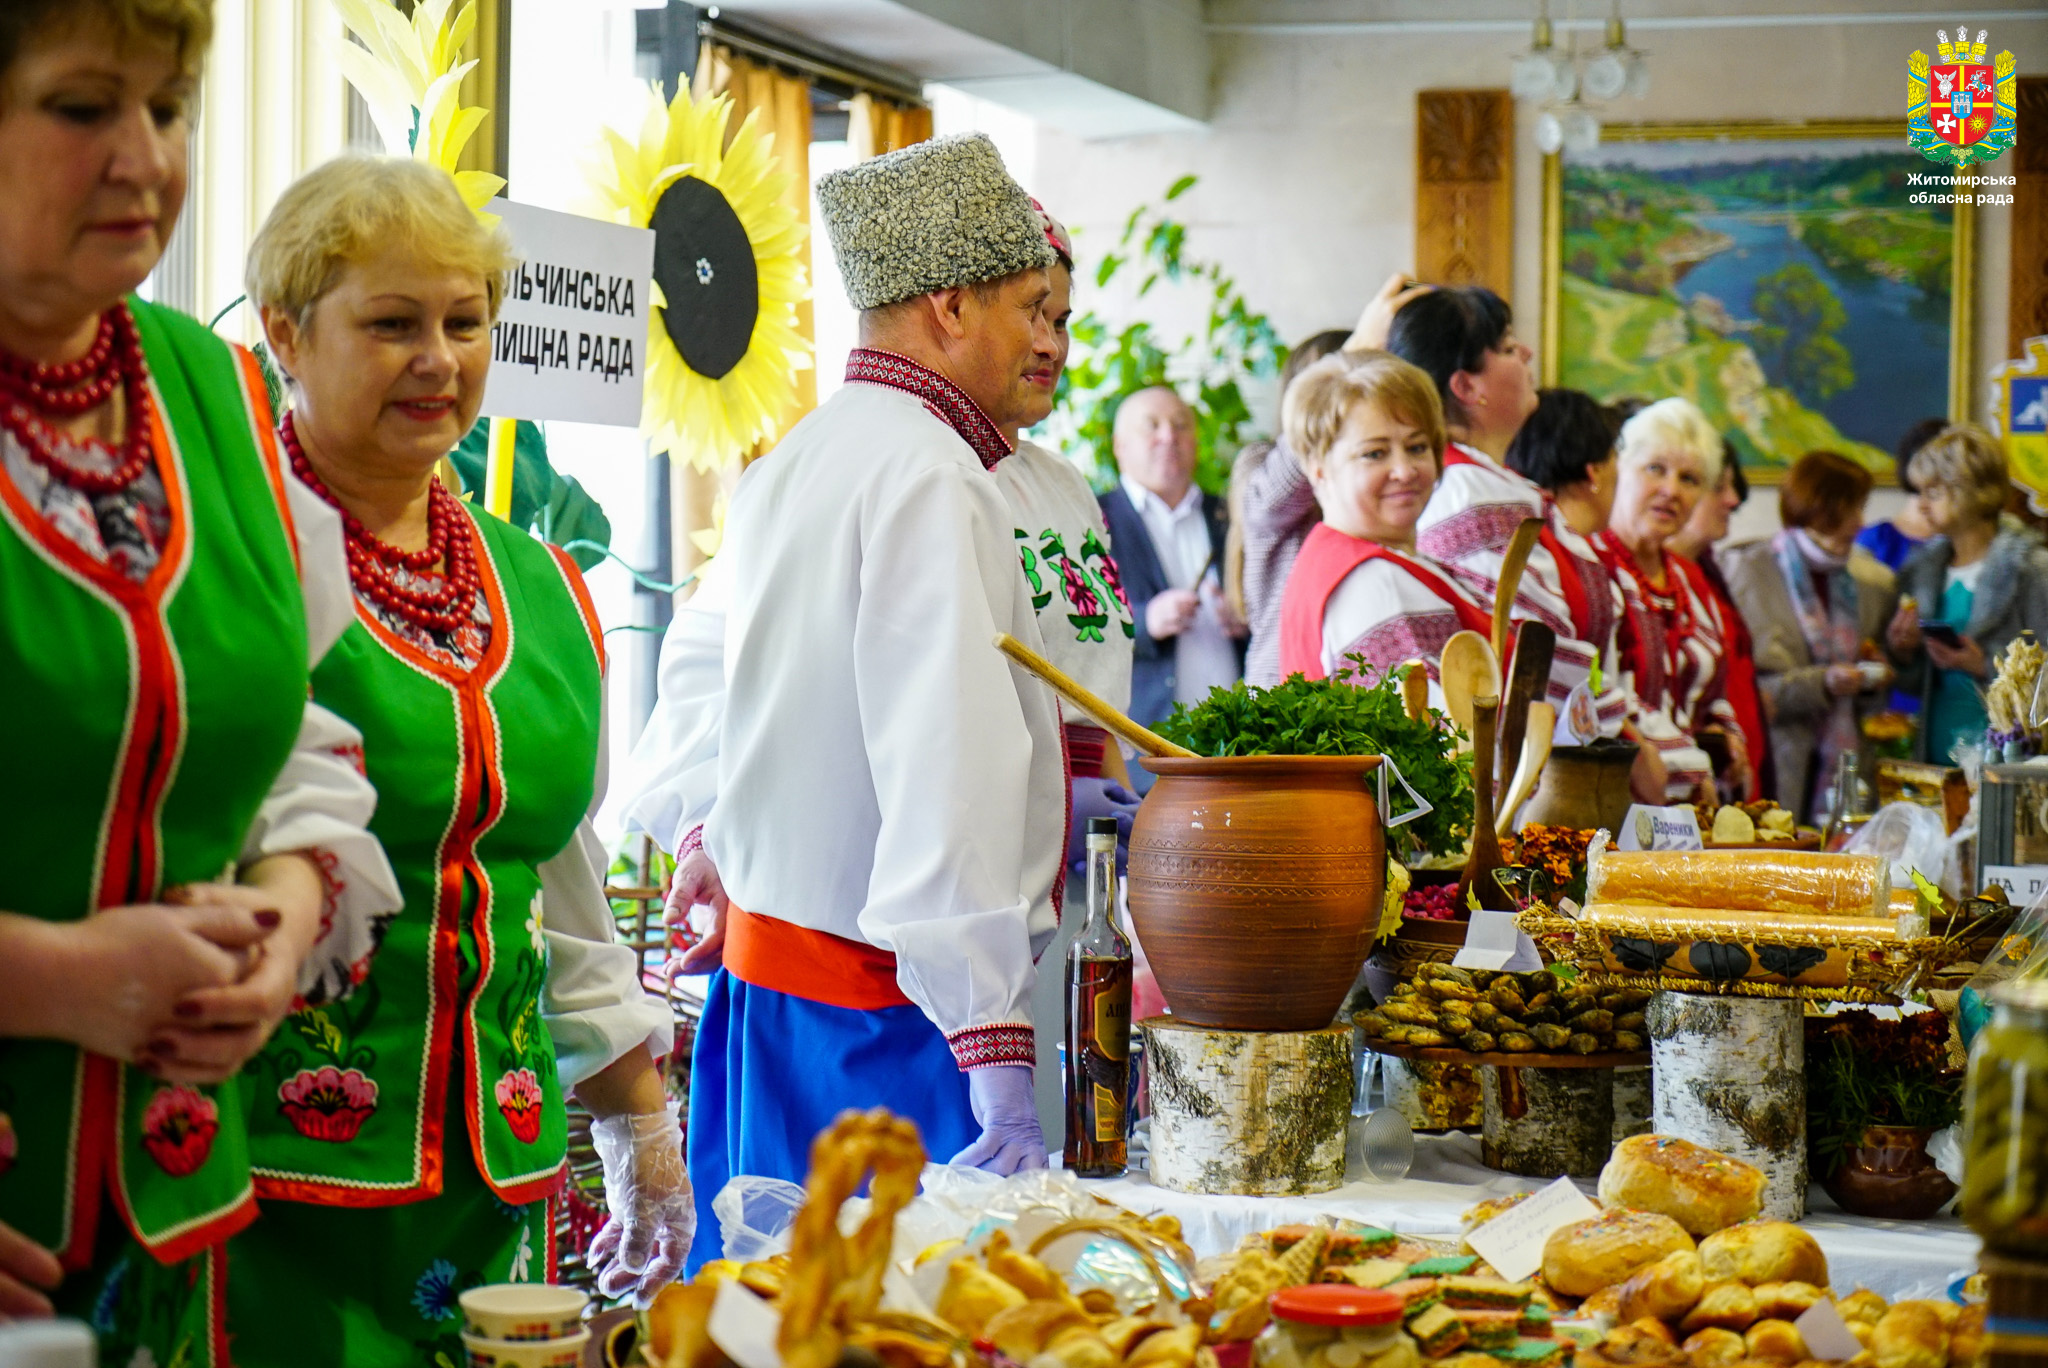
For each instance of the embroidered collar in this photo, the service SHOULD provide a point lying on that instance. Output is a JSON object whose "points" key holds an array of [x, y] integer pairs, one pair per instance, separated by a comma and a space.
{"points": [[947, 401]]}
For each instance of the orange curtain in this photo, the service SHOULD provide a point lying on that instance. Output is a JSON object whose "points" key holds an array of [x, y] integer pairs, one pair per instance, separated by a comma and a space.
{"points": [[875, 126]]}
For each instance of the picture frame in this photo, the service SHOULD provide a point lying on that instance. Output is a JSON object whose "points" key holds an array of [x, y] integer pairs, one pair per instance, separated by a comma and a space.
{"points": [[1834, 303]]}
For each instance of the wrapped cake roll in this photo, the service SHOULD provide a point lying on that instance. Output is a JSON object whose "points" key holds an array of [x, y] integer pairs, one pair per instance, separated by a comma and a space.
{"points": [[1793, 882], [1737, 923]]}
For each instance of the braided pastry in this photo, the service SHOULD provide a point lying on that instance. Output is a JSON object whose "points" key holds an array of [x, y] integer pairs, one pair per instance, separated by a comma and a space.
{"points": [[835, 1281]]}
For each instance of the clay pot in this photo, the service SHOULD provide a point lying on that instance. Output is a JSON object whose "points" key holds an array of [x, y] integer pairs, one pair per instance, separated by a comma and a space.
{"points": [[1889, 1174], [1584, 787], [1256, 884]]}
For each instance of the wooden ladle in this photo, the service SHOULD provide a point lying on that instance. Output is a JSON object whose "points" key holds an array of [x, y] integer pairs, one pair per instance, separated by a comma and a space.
{"points": [[1469, 668], [1529, 768], [1148, 741]]}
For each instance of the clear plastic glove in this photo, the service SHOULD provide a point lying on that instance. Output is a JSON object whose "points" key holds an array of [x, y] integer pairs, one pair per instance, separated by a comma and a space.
{"points": [[1098, 797], [653, 1212], [1004, 1104]]}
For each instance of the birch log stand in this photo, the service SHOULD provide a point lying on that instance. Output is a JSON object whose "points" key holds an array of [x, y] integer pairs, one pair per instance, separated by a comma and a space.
{"points": [[1547, 1123], [1730, 1074], [1252, 1113]]}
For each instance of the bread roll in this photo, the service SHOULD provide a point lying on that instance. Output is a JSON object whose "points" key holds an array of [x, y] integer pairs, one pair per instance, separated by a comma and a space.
{"points": [[1966, 1340], [1764, 1252], [1861, 1305], [1725, 1305], [1786, 1300], [1666, 1289], [1779, 1340], [1707, 1348], [1606, 1302], [1651, 1328], [1913, 1334], [1580, 1259], [1702, 1189]]}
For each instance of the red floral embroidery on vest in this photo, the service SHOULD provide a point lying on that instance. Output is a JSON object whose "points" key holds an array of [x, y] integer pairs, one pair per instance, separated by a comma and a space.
{"points": [[178, 1127], [327, 1103], [519, 1099]]}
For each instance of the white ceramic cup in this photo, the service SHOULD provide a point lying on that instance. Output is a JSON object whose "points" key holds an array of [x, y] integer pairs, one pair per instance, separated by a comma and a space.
{"points": [[522, 1312]]}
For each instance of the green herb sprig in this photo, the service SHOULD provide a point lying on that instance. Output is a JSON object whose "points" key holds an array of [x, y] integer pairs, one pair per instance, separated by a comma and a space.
{"points": [[1357, 711]]}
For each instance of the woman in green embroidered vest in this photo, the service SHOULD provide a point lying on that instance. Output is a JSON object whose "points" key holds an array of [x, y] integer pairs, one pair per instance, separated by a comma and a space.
{"points": [[183, 850], [416, 1132]]}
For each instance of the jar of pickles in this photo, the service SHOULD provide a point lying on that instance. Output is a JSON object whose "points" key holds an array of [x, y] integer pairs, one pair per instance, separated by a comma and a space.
{"points": [[1331, 1325], [2005, 1174]]}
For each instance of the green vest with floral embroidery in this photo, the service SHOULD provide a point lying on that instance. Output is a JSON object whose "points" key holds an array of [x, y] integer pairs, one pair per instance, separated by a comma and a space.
{"points": [[482, 776], [142, 725]]}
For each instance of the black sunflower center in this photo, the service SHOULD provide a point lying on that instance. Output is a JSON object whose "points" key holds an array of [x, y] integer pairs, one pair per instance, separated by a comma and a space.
{"points": [[705, 267]]}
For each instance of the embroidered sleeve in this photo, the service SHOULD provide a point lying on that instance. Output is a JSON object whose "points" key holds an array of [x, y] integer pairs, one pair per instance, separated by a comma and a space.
{"points": [[985, 1047]]}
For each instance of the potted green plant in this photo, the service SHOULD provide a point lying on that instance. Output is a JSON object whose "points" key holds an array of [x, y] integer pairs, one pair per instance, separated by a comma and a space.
{"points": [[1877, 1088]]}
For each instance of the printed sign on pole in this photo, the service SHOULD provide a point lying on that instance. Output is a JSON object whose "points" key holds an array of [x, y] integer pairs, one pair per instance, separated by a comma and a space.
{"points": [[570, 343], [2019, 415]]}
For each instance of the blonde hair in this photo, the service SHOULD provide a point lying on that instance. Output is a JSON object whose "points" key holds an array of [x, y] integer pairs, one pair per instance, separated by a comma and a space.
{"points": [[1968, 460], [1313, 410], [346, 210], [1672, 423], [186, 25]]}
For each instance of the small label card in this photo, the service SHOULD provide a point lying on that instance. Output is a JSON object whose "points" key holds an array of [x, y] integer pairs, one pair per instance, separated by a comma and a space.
{"points": [[1513, 1241], [1493, 941], [1825, 1335], [1658, 828], [745, 1327]]}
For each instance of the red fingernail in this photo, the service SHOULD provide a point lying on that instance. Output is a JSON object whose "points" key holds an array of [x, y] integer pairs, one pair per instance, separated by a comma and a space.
{"points": [[268, 918], [186, 1009]]}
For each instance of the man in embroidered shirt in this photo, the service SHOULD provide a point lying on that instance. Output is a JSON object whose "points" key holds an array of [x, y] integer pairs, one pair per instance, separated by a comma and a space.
{"points": [[1167, 536], [879, 797]]}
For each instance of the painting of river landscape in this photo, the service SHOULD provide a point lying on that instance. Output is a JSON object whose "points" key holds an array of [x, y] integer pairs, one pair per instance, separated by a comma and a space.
{"points": [[1789, 287]]}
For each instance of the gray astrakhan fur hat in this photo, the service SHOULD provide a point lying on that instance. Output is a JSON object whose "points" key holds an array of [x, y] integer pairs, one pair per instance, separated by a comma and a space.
{"points": [[929, 217]]}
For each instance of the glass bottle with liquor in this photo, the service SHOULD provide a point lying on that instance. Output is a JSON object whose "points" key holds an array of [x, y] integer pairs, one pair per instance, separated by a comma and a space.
{"points": [[1850, 811], [1098, 1064]]}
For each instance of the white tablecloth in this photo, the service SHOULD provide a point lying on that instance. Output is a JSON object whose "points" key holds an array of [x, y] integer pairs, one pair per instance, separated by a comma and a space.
{"points": [[1892, 1258]]}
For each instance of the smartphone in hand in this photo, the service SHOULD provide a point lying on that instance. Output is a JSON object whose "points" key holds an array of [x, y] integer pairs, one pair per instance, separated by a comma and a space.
{"points": [[1943, 632]]}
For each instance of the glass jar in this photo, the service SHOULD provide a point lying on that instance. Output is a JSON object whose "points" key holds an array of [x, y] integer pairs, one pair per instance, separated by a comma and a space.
{"points": [[1330, 1325], [2005, 1172]]}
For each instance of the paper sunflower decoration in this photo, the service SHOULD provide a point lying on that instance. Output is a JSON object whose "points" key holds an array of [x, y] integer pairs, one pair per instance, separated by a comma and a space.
{"points": [[723, 348], [406, 73]]}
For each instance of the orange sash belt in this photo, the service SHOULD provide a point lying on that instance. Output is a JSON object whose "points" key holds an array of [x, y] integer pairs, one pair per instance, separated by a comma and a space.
{"points": [[814, 965]]}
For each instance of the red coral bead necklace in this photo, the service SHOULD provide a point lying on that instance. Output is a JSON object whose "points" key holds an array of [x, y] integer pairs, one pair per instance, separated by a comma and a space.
{"points": [[31, 393], [373, 563]]}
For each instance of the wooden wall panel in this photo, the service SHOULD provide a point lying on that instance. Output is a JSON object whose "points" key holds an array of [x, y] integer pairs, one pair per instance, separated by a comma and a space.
{"points": [[1464, 188], [2028, 315]]}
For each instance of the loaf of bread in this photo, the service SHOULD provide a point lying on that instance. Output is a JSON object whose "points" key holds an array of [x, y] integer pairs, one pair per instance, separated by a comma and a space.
{"points": [[1913, 1334], [1723, 1306], [1708, 1347], [1702, 1189], [1966, 1340], [1580, 1259], [1666, 1289], [1799, 882], [1775, 1339], [1786, 1300], [1764, 1252]]}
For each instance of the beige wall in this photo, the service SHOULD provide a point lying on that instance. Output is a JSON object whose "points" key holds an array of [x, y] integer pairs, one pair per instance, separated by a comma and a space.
{"points": [[1308, 166]]}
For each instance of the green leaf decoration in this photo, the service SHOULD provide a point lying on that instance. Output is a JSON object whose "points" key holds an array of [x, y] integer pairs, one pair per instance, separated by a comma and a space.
{"points": [[319, 1032], [1180, 187]]}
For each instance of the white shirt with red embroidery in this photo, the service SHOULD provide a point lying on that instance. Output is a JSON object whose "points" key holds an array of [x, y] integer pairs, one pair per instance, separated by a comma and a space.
{"points": [[1388, 616], [1467, 524], [1063, 550], [833, 712]]}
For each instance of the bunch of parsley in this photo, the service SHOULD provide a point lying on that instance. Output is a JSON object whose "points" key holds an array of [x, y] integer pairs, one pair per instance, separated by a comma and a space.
{"points": [[1357, 711]]}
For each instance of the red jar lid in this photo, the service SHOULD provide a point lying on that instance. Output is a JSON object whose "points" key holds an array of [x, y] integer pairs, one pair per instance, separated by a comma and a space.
{"points": [[1337, 1304]]}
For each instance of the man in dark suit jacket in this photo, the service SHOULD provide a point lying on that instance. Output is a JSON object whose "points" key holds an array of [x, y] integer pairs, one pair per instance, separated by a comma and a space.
{"points": [[1167, 537]]}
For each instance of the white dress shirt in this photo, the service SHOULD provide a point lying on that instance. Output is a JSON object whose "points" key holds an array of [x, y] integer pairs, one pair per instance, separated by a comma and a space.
{"points": [[1204, 656]]}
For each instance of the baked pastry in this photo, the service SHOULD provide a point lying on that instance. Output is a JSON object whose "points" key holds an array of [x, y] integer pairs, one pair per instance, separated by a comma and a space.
{"points": [[1913, 1334], [1666, 1289], [1580, 1259], [1490, 1329], [1966, 1340], [1786, 1300], [973, 1296], [1606, 1302], [1862, 1305], [1484, 1293], [1726, 1305], [1652, 1328], [1702, 1189], [1078, 1348], [1174, 1348], [1127, 1332], [1021, 1331], [1764, 1252], [1712, 1346], [1778, 1340], [1438, 1331], [1368, 1273], [1026, 1273]]}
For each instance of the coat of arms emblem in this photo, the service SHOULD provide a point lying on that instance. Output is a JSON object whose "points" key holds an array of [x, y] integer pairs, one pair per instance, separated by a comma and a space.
{"points": [[1962, 108]]}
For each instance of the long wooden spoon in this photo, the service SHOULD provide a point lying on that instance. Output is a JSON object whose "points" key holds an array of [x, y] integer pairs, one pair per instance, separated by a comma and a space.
{"points": [[1513, 562], [1468, 668], [1064, 684], [1415, 689], [1535, 755]]}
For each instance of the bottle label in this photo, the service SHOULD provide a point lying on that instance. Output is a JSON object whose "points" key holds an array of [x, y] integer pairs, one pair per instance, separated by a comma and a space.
{"points": [[1113, 1020], [1109, 1115]]}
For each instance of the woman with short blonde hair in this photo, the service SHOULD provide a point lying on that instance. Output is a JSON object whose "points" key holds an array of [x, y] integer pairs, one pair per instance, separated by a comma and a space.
{"points": [[1675, 633], [1368, 429], [1981, 583], [408, 1149], [184, 854]]}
